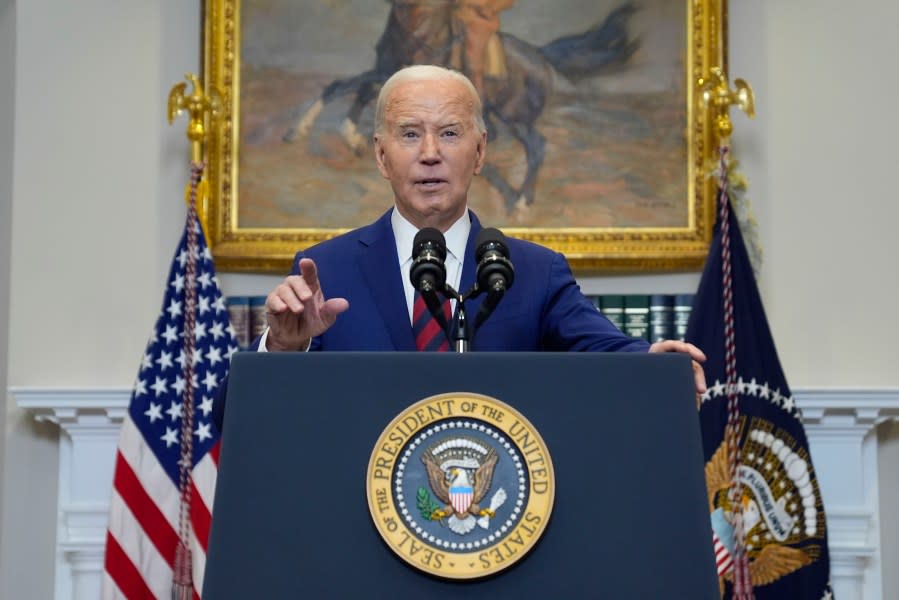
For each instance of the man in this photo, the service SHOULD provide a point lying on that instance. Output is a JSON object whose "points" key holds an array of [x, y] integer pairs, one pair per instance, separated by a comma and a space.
{"points": [[430, 141], [478, 22]]}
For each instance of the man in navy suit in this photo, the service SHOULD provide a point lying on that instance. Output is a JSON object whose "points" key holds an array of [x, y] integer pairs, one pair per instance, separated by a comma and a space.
{"points": [[430, 141]]}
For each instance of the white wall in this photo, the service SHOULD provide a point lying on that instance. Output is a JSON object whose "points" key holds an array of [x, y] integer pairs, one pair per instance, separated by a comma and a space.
{"points": [[7, 115], [98, 178]]}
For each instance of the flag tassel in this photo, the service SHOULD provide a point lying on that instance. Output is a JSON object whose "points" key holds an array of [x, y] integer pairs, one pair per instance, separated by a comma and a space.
{"points": [[183, 584]]}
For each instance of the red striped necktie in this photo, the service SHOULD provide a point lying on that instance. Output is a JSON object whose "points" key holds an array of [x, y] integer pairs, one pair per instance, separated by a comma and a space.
{"points": [[428, 334]]}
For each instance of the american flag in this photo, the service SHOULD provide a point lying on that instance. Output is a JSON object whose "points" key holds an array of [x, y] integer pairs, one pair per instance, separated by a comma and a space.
{"points": [[147, 521]]}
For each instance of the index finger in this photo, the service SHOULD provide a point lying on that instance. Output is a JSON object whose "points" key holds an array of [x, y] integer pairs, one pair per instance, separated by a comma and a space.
{"points": [[310, 274]]}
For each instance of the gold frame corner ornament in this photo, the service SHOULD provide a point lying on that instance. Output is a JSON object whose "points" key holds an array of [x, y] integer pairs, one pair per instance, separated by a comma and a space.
{"points": [[634, 249]]}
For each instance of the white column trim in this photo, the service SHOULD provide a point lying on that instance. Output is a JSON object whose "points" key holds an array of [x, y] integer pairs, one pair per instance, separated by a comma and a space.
{"points": [[840, 424]]}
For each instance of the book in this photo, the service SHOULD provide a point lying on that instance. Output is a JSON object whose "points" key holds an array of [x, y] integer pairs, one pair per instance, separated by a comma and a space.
{"points": [[683, 304], [636, 316], [239, 314], [612, 307], [258, 321], [661, 317]]}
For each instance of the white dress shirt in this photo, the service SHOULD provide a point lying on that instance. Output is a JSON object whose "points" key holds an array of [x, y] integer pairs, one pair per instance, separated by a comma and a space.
{"points": [[456, 239]]}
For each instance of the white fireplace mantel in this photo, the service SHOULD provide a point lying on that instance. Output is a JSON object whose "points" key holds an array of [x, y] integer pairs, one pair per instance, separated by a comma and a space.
{"points": [[840, 425]]}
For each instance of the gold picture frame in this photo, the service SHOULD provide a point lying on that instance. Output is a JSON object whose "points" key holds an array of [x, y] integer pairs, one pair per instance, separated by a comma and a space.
{"points": [[268, 246]]}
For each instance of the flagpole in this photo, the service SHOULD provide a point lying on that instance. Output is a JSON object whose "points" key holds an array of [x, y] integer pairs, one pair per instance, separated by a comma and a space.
{"points": [[203, 110], [717, 98]]}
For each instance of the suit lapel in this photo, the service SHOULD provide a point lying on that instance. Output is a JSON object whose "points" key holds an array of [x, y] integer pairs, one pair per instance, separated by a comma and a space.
{"points": [[470, 267], [379, 265]]}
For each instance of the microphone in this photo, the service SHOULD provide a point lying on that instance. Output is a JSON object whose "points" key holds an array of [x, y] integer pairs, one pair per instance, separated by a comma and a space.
{"points": [[495, 273], [428, 273]]}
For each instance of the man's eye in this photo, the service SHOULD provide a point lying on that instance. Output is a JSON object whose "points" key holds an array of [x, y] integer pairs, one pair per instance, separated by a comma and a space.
{"points": [[410, 134], [450, 133]]}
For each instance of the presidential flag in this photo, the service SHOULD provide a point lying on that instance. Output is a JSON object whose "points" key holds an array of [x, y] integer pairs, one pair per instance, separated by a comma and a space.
{"points": [[763, 497], [167, 461]]}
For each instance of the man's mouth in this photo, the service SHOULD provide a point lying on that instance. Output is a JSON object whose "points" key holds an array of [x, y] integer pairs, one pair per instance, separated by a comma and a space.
{"points": [[430, 181]]}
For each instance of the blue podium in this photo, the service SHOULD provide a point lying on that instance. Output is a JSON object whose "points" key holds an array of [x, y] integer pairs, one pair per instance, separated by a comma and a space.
{"points": [[630, 518]]}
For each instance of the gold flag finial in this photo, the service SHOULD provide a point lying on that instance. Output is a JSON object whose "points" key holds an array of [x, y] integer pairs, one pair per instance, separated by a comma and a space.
{"points": [[717, 96], [204, 110]]}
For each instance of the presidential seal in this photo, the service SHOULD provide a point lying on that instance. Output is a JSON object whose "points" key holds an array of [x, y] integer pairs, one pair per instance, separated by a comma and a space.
{"points": [[460, 485]]}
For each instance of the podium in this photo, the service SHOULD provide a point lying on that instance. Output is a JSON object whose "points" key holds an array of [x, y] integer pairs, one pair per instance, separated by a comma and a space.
{"points": [[630, 518]]}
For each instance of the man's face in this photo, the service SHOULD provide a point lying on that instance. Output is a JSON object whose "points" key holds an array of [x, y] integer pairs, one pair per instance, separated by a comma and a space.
{"points": [[430, 149]]}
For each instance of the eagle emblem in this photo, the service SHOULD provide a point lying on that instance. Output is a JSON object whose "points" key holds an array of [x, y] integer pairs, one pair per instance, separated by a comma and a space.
{"points": [[780, 505], [460, 473]]}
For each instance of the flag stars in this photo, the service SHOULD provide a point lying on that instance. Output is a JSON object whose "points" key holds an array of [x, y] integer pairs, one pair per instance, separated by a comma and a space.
{"points": [[202, 432], [199, 331], [179, 384], [160, 386], [788, 403], [210, 381], [214, 356], [764, 392], [753, 387], [165, 360], [206, 406], [170, 334], [175, 411], [140, 388], [147, 361], [182, 258], [174, 308], [217, 330], [231, 351], [204, 280], [777, 398], [204, 305], [170, 437], [718, 388], [196, 356], [154, 412], [178, 283], [219, 305]]}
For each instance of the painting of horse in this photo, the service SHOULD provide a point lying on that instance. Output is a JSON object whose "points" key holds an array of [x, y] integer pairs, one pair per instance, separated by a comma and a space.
{"points": [[586, 119]]}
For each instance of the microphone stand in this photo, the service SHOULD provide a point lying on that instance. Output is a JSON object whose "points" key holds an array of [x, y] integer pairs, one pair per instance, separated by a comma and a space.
{"points": [[459, 334]]}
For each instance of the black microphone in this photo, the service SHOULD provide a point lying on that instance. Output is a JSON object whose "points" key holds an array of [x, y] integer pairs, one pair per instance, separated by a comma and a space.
{"points": [[495, 273], [428, 272]]}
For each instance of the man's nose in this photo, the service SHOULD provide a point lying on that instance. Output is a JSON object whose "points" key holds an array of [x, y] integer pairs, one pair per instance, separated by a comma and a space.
{"points": [[430, 149]]}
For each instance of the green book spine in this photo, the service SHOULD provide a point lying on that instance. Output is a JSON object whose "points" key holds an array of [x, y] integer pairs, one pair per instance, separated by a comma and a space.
{"points": [[612, 307], [636, 316]]}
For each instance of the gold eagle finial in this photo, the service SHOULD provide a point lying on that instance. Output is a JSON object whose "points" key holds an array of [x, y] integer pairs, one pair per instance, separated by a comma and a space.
{"points": [[204, 110], [717, 96]]}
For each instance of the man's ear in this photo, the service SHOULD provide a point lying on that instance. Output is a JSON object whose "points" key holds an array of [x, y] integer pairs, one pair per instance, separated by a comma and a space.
{"points": [[481, 154], [379, 156]]}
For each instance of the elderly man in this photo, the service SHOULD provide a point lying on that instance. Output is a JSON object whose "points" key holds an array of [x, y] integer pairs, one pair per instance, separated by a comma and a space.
{"points": [[353, 292]]}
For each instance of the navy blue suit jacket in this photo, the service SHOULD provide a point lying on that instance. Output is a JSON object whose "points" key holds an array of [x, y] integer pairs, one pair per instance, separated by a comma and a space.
{"points": [[544, 310]]}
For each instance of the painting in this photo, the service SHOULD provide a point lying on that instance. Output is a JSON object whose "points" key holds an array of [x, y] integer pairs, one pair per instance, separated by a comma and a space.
{"points": [[596, 149]]}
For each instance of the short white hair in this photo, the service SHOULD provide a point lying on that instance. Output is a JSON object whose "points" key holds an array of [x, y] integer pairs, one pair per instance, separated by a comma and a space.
{"points": [[426, 73]]}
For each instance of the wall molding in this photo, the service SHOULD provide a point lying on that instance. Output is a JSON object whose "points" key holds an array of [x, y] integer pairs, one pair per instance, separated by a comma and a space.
{"points": [[840, 425]]}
